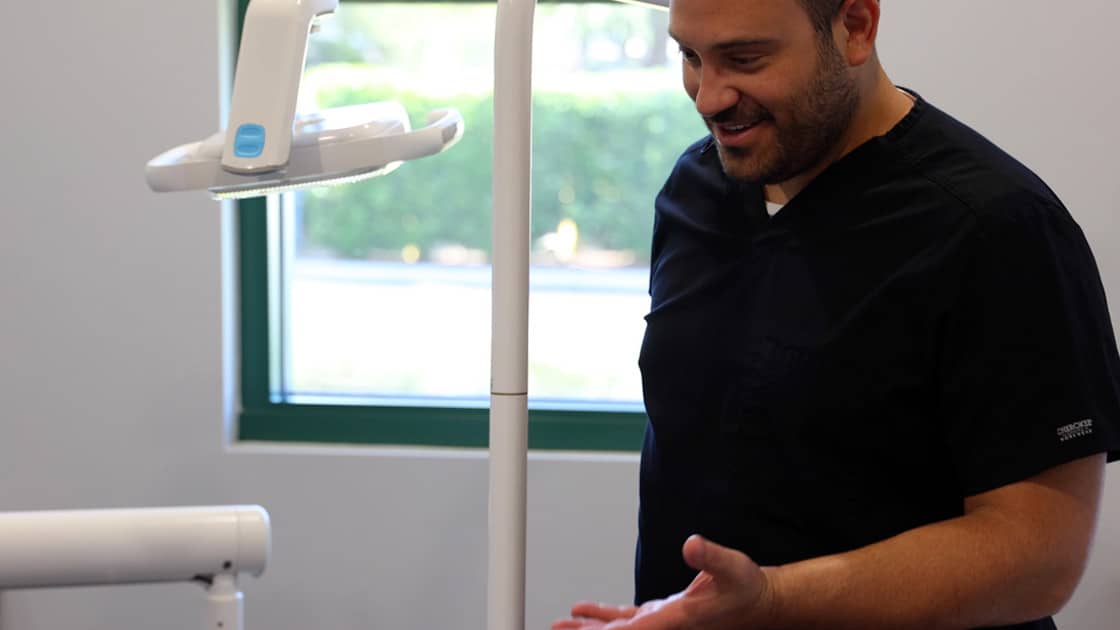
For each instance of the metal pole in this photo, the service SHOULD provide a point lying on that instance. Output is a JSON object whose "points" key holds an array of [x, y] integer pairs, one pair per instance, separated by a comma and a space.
{"points": [[509, 426]]}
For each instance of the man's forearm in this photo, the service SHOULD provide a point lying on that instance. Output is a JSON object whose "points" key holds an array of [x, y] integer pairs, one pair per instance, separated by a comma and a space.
{"points": [[950, 575], [993, 566]]}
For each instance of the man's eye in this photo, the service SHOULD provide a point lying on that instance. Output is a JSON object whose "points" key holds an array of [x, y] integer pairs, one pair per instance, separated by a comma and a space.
{"points": [[745, 61], [688, 55]]}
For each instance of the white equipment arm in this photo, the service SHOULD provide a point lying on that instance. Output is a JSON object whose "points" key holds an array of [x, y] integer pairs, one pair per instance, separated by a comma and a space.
{"points": [[209, 545]]}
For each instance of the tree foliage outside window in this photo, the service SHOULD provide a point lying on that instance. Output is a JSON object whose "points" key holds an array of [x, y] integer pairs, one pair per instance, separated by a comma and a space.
{"points": [[607, 127]]}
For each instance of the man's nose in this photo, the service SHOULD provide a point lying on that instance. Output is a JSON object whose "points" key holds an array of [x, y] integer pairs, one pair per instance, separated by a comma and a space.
{"points": [[714, 94]]}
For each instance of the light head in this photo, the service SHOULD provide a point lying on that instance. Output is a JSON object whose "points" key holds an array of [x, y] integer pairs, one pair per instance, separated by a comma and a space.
{"points": [[266, 149], [336, 146]]}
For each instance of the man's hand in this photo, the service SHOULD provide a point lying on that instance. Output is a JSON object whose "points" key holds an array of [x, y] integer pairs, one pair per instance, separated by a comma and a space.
{"points": [[731, 591], [1015, 555]]}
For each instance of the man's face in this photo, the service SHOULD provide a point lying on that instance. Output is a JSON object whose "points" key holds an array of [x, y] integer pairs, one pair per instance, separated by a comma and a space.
{"points": [[776, 97]]}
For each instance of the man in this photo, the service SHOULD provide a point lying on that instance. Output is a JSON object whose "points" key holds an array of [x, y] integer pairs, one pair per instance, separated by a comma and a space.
{"points": [[887, 405]]}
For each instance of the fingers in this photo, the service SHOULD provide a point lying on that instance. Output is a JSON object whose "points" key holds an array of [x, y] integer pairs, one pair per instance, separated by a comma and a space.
{"points": [[576, 624], [701, 583], [593, 616], [602, 612], [695, 552], [705, 555]]}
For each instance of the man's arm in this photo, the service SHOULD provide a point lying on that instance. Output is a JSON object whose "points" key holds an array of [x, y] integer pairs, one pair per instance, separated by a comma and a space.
{"points": [[1016, 555]]}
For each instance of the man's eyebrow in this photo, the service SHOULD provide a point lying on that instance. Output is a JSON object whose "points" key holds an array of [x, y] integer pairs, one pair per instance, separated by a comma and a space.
{"points": [[747, 42], [739, 42]]}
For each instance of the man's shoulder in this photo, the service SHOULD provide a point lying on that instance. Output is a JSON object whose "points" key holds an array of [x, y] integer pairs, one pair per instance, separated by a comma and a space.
{"points": [[975, 172]]}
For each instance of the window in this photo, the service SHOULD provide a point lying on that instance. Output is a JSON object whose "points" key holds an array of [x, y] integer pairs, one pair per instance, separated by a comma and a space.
{"points": [[366, 308]]}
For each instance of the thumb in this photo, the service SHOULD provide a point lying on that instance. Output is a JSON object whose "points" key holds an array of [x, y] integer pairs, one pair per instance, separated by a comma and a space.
{"points": [[719, 561]]}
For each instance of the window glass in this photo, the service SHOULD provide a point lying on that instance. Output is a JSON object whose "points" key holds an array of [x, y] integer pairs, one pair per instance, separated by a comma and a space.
{"points": [[382, 289]]}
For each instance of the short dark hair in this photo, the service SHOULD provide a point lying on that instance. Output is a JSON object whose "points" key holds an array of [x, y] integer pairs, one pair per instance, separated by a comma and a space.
{"points": [[821, 13]]}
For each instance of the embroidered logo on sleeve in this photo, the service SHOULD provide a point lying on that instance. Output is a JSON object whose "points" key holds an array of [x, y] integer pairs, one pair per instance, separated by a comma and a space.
{"points": [[1075, 430]]}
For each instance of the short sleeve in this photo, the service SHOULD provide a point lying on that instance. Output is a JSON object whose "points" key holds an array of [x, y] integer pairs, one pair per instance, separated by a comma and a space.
{"points": [[1028, 368]]}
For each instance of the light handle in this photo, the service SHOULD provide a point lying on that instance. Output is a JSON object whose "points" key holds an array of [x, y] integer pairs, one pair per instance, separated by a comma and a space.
{"points": [[266, 83]]}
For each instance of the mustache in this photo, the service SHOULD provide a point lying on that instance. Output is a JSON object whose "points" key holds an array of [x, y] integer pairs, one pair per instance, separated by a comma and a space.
{"points": [[735, 115]]}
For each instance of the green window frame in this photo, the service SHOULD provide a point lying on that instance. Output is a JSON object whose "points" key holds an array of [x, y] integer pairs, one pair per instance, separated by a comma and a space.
{"points": [[264, 415]]}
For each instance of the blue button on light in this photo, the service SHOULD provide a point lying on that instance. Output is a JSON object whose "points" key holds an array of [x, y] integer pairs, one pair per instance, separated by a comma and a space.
{"points": [[249, 142]]}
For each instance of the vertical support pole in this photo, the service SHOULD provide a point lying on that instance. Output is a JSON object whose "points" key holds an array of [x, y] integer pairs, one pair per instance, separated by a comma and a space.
{"points": [[509, 416], [225, 605]]}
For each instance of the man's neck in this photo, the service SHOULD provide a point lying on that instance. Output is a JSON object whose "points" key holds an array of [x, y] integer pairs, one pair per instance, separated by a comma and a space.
{"points": [[882, 109]]}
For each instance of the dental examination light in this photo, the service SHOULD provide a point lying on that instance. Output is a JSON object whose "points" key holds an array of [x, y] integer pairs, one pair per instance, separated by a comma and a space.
{"points": [[266, 149], [236, 163], [205, 545]]}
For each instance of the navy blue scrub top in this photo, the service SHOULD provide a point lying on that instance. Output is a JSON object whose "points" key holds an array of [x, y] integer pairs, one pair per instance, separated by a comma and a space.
{"points": [[922, 323]]}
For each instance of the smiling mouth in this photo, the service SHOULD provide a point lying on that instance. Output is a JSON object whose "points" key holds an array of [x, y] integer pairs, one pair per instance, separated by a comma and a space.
{"points": [[738, 128], [738, 134]]}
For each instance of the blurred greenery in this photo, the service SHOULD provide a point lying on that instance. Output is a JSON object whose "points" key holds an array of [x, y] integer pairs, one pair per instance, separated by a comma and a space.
{"points": [[600, 156]]}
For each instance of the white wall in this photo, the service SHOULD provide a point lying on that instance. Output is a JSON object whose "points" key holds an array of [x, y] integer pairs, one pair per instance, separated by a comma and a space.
{"points": [[111, 323]]}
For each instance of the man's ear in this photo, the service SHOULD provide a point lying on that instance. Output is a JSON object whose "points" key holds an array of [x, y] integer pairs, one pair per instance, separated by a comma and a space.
{"points": [[855, 29]]}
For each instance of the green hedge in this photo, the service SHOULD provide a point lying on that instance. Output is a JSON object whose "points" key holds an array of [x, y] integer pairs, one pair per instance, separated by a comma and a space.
{"points": [[598, 160]]}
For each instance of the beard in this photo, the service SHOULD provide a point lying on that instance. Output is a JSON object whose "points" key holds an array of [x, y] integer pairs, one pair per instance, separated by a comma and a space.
{"points": [[813, 123]]}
